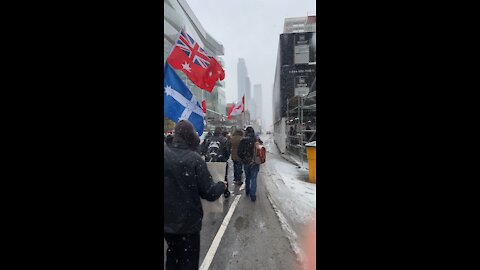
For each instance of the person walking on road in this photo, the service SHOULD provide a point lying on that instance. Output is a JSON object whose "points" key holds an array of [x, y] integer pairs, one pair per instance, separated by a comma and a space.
{"points": [[227, 135], [203, 146], [186, 180], [218, 151], [245, 153], [169, 140], [237, 161]]}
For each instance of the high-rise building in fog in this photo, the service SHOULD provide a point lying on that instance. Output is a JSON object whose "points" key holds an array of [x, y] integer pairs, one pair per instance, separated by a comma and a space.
{"points": [[257, 94], [248, 95], [248, 87], [241, 77]]}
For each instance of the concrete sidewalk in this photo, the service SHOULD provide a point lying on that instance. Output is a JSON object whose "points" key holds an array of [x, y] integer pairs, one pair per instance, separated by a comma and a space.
{"points": [[288, 157]]}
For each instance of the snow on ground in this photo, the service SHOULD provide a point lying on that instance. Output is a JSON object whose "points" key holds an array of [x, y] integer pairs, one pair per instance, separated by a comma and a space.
{"points": [[292, 196], [299, 190], [303, 192], [314, 143]]}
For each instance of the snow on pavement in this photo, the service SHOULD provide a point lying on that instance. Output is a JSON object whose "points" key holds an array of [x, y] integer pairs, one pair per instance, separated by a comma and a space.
{"points": [[292, 196], [299, 191]]}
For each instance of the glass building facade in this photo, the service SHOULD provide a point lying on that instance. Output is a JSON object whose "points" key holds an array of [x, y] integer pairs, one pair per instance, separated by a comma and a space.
{"points": [[177, 14]]}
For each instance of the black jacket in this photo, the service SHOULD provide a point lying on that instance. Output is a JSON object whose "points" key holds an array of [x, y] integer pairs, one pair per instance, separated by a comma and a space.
{"points": [[223, 153], [186, 180], [245, 149]]}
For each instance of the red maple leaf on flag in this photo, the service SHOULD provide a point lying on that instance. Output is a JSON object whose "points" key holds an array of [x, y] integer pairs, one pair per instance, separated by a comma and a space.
{"points": [[236, 109]]}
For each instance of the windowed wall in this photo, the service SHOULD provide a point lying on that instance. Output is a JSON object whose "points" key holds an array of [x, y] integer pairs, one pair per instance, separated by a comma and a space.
{"points": [[178, 15]]}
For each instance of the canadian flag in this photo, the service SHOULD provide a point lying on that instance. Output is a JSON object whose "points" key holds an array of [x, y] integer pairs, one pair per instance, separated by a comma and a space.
{"points": [[204, 107], [236, 109]]}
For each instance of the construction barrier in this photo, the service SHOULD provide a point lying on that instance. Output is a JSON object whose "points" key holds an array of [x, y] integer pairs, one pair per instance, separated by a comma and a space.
{"points": [[312, 161]]}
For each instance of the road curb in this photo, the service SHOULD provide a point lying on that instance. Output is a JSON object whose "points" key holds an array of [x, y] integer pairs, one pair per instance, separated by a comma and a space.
{"points": [[289, 232], [289, 159]]}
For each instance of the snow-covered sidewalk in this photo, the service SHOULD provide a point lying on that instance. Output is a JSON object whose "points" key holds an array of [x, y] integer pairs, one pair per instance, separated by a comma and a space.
{"points": [[292, 196]]}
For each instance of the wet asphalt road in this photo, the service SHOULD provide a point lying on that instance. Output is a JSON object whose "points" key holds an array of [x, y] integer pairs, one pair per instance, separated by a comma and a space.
{"points": [[253, 239]]}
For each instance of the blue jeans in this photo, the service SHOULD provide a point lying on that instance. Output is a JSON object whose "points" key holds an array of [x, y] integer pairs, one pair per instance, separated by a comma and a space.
{"points": [[251, 172], [237, 170]]}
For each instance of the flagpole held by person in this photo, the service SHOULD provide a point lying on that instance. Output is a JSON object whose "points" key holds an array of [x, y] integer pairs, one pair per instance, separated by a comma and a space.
{"points": [[201, 68], [244, 115], [236, 109], [179, 102]]}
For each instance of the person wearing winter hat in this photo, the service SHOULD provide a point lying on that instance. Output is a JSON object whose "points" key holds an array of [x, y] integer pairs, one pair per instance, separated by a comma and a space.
{"points": [[218, 151], [237, 162], [186, 180], [245, 153]]}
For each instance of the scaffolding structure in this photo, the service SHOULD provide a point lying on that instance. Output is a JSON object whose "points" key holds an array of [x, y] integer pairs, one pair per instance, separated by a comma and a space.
{"points": [[301, 124]]}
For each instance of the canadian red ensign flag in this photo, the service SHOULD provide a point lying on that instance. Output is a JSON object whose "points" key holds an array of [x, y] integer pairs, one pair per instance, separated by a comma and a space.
{"points": [[236, 109], [200, 67]]}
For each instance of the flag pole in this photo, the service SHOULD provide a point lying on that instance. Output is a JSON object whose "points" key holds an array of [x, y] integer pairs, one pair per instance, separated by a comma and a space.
{"points": [[175, 41], [171, 50], [206, 118], [244, 119]]}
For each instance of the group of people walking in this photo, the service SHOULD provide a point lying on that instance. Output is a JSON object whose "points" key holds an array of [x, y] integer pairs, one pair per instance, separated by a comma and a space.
{"points": [[187, 179]]}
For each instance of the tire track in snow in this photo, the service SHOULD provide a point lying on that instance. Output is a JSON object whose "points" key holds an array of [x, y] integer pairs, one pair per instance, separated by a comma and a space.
{"points": [[290, 234]]}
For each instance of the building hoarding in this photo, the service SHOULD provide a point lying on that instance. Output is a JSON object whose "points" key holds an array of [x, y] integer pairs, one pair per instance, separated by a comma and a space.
{"points": [[292, 81], [295, 71], [296, 67]]}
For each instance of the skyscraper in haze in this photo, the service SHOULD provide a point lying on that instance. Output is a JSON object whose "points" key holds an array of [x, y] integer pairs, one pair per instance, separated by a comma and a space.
{"points": [[248, 87], [241, 78], [248, 98], [257, 94]]}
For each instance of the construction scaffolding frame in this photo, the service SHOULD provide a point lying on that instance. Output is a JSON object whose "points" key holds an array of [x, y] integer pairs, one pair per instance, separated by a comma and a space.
{"points": [[301, 117]]}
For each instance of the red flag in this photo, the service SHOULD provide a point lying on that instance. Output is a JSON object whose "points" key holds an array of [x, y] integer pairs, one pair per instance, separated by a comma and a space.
{"points": [[204, 106], [236, 109], [202, 69]]}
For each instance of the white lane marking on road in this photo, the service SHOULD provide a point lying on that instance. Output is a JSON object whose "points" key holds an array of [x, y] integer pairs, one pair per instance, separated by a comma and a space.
{"points": [[216, 241]]}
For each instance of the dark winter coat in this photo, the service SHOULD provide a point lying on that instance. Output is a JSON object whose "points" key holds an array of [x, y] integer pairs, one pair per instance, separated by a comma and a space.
{"points": [[203, 146], [245, 149], [186, 180], [223, 153]]}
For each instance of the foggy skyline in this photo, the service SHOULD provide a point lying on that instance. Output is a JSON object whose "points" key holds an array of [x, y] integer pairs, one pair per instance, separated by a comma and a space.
{"points": [[250, 30]]}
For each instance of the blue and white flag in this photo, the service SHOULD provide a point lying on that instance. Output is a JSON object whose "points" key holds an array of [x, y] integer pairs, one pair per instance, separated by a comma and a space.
{"points": [[179, 102]]}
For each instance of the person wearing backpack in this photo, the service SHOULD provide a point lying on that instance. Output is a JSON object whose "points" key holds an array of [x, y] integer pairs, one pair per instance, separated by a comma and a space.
{"points": [[217, 151], [203, 145], [246, 152], [237, 161]]}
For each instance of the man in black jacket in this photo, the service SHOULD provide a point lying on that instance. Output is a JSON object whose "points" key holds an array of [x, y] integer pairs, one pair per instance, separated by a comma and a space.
{"points": [[217, 147], [217, 150], [186, 180], [245, 153]]}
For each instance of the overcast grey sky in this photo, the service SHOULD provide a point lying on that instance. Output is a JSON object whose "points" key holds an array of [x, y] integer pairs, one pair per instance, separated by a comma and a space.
{"points": [[249, 29]]}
